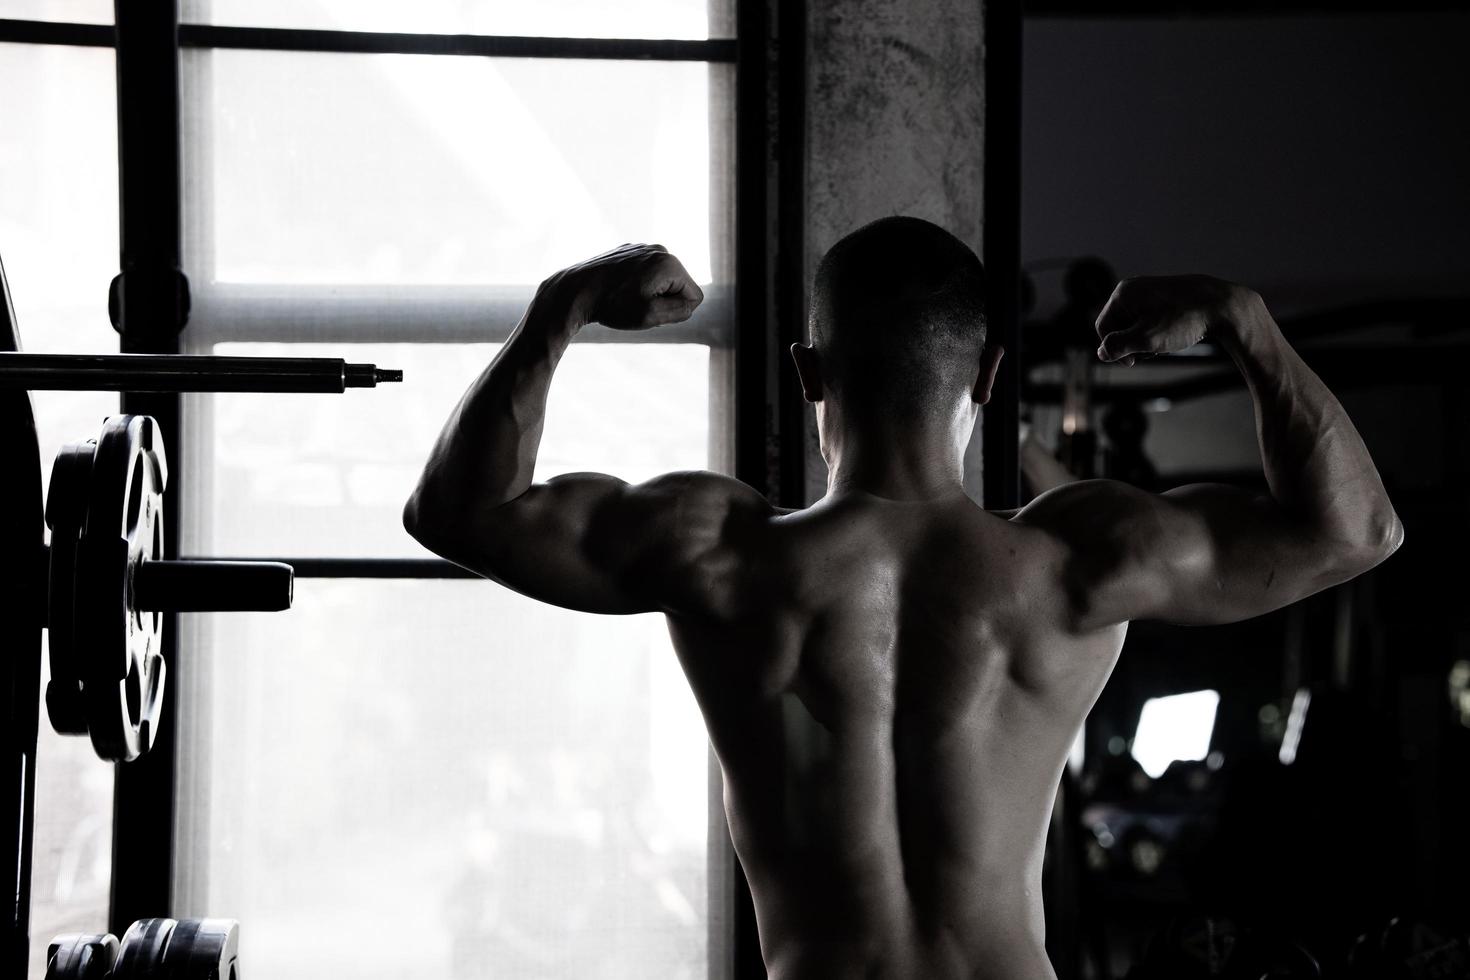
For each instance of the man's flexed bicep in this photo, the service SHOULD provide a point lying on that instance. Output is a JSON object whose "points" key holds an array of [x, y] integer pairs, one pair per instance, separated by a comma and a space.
{"points": [[584, 541], [1213, 554]]}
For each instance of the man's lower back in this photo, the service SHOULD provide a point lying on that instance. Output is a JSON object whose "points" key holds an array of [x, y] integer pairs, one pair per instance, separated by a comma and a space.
{"points": [[910, 958]]}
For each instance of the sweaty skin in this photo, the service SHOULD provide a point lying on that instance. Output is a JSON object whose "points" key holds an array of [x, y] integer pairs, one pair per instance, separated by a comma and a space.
{"points": [[892, 678]]}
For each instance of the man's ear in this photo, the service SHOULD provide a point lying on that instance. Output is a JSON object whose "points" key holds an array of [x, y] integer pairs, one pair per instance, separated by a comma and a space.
{"points": [[809, 370], [989, 364]]}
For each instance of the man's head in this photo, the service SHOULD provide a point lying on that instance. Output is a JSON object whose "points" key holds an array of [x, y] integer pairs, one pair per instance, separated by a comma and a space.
{"points": [[897, 322]]}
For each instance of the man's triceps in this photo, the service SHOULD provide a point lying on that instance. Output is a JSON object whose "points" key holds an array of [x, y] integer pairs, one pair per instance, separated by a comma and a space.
{"points": [[595, 543], [542, 544], [1227, 554], [1140, 555]]}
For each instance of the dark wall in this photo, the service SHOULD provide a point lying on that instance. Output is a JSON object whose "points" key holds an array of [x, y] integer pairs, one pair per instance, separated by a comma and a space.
{"points": [[1304, 156]]}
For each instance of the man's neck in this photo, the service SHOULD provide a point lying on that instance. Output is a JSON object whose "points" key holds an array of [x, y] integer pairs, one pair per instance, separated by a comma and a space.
{"points": [[915, 466]]}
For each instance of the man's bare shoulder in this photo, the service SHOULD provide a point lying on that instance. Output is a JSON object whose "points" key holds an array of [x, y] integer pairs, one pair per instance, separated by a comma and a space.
{"points": [[1078, 535], [700, 497], [1090, 504], [1125, 549], [705, 519]]}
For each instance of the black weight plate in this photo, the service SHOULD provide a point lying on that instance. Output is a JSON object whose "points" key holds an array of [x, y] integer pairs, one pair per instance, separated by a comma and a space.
{"points": [[123, 676], [66, 512], [203, 949], [81, 957], [22, 605], [140, 955], [70, 488]]}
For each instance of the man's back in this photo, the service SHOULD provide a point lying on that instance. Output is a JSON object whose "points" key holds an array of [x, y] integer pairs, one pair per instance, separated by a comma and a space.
{"points": [[892, 688], [893, 677]]}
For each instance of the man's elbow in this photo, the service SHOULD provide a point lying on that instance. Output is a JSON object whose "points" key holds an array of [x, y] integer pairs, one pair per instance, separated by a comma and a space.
{"points": [[443, 528], [1379, 538], [413, 521], [1390, 537], [419, 523]]}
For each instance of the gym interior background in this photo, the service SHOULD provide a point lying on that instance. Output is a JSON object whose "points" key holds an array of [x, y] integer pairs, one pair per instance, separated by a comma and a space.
{"points": [[414, 773]]}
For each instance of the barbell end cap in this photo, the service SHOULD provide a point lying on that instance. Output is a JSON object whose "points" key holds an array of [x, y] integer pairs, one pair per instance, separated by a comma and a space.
{"points": [[367, 375]]}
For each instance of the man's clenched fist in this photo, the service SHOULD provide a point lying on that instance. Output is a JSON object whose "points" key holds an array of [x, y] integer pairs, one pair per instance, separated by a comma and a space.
{"points": [[632, 287], [1165, 314]]}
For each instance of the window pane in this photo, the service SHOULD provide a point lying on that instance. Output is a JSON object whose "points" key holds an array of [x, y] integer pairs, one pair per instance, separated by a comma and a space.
{"points": [[58, 217], [58, 242], [328, 474], [543, 18], [447, 780], [66, 11], [393, 169], [72, 857]]}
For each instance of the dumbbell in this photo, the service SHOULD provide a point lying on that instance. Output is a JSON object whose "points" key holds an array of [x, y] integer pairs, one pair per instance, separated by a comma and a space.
{"points": [[151, 949], [1195, 947], [81, 957], [1409, 949], [108, 586]]}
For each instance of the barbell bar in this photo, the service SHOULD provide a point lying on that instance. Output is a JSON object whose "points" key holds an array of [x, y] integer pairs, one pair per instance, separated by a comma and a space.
{"points": [[186, 372]]}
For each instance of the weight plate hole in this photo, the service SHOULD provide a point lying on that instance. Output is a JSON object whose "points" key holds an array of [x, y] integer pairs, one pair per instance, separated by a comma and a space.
{"points": [[135, 498], [133, 692]]}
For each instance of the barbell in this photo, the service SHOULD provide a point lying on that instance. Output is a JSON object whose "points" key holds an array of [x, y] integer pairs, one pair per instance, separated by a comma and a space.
{"points": [[186, 372], [108, 584]]}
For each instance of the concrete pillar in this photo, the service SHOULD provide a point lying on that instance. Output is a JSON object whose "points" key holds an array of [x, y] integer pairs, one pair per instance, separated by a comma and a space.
{"points": [[895, 124]]}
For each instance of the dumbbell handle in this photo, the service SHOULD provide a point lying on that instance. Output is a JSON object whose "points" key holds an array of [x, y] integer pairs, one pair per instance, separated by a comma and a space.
{"points": [[198, 585]]}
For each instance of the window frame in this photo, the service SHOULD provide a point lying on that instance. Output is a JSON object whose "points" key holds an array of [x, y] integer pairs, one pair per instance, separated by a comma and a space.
{"points": [[150, 305]]}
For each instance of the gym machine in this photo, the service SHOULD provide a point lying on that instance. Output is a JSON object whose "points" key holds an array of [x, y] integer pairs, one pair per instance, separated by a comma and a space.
{"points": [[100, 590], [1196, 946]]}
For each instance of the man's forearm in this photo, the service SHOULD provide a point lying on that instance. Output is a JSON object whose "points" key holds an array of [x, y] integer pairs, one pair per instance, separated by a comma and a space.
{"points": [[486, 453], [1316, 464]]}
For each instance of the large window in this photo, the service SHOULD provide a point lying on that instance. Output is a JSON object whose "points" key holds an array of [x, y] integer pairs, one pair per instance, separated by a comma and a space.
{"points": [[448, 778]]}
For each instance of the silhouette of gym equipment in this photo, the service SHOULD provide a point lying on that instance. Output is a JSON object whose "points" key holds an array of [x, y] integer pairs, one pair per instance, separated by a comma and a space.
{"points": [[107, 584], [206, 949], [101, 590], [1197, 946]]}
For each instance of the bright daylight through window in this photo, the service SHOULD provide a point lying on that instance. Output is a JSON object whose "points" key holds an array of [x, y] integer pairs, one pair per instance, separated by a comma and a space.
{"points": [[524, 790]]}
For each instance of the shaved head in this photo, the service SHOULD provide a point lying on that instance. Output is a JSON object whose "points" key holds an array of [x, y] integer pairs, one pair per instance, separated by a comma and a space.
{"points": [[898, 316]]}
